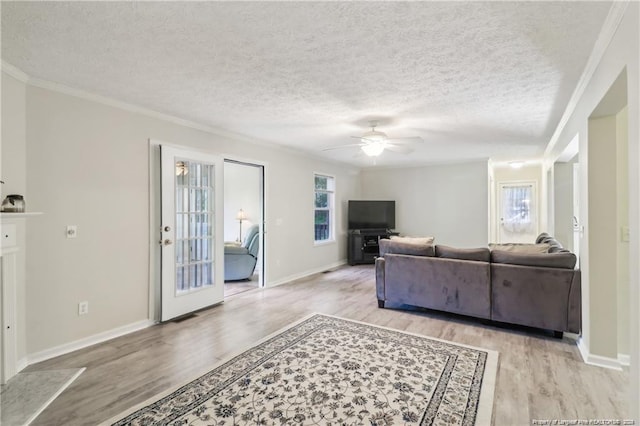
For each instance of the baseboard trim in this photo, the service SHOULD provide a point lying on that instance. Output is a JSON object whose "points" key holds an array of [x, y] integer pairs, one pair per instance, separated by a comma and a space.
{"points": [[597, 360], [22, 364], [306, 273], [624, 360], [571, 336], [87, 341]]}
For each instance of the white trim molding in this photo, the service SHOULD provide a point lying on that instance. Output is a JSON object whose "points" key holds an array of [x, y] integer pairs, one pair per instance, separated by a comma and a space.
{"points": [[624, 360], [597, 360], [609, 28], [305, 274], [15, 72], [87, 341]]}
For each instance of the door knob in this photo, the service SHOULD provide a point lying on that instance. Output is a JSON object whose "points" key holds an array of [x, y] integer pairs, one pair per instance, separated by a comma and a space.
{"points": [[167, 242], [167, 229]]}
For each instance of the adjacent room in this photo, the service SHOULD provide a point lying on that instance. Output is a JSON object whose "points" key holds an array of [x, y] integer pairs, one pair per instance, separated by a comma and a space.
{"points": [[320, 213]]}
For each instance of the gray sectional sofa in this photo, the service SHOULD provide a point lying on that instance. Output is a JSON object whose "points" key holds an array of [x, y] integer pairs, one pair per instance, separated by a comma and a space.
{"points": [[539, 290]]}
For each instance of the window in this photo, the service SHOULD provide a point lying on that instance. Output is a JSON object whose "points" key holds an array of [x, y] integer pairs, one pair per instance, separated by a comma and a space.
{"points": [[518, 208], [323, 211]]}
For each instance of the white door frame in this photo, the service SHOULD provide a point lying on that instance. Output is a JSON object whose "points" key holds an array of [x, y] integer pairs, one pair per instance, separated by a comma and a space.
{"points": [[155, 225], [263, 206]]}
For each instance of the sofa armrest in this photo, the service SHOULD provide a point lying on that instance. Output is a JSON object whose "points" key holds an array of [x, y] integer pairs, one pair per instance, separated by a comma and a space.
{"points": [[235, 250], [380, 279], [574, 320], [532, 296]]}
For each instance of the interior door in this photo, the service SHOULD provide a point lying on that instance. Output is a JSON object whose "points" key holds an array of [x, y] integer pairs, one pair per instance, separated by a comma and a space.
{"points": [[192, 231], [518, 212]]}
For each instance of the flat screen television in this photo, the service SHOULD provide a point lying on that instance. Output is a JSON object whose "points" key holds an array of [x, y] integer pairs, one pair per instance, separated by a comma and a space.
{"points": [[364, 214]]}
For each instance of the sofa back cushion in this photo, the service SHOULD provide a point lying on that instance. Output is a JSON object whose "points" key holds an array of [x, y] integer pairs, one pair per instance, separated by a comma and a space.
{"points": [[401, 247], [546, 260], [521, 248], [413, 240], [481, 254]]}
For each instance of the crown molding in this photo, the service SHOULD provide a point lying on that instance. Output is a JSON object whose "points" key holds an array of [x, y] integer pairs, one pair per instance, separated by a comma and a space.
{"points": [[609, 28], [15, 72], [104, 100]]}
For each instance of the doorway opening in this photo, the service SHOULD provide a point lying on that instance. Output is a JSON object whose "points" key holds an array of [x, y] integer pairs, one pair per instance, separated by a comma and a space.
{"points": [[243, 226]]}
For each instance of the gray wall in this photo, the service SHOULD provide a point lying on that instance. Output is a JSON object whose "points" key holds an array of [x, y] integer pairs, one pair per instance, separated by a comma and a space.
{"points": [[449, 202], [88, 165], [563, 203], [621, 54], [241, 191]]}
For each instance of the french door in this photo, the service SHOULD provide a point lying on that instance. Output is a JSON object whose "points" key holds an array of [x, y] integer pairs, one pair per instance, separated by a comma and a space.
{"points": [[192, 231]]}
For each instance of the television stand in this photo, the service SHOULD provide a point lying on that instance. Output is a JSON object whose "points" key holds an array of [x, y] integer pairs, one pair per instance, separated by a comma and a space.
{"points": [[363, 245]]}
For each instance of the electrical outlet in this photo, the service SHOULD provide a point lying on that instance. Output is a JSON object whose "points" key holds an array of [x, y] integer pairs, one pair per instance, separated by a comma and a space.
{"points": [[72, 231], [83, 308]]}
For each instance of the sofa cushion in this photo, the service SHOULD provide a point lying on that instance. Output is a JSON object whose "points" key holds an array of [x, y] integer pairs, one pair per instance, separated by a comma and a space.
{"points": [[413, 240], [401, 247], [546, 260], [481, 254], [521, 248]]}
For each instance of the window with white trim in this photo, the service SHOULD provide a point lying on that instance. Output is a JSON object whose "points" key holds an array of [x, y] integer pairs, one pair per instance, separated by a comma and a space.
{"points": [[324, 208]]}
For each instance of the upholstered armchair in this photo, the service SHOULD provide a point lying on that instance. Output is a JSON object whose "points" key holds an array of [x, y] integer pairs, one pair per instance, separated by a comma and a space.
{"points": [[240, 260]]}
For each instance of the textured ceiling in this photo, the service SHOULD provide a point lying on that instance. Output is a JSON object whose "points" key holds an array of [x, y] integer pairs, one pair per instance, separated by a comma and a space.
{"points": [[474, 79]]}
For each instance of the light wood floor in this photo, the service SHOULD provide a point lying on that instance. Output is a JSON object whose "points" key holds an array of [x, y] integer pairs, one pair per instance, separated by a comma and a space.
{"points": [[234, 287], [539, 377]]}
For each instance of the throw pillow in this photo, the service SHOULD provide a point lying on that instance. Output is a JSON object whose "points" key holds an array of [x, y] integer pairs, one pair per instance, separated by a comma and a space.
{"points": [[521, 248], [413, 240]]}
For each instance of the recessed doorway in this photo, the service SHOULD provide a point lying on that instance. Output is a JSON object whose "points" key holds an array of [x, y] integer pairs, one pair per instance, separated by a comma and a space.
{"points": [[243, 226]]}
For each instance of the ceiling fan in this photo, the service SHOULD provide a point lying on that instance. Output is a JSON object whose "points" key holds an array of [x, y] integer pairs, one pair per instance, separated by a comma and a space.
{"points": [[374, 142]]}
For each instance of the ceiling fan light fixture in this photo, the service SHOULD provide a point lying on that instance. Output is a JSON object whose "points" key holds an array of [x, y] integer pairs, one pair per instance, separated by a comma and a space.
{"points": [[373, 149], [374, 136]]}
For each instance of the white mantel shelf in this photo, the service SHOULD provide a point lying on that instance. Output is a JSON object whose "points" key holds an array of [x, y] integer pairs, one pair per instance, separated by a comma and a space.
{"points": [[9, 215]]}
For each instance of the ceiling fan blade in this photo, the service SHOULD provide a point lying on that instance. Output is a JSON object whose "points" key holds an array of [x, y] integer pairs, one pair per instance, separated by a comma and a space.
{"points": [[367, 140], [341, 146], [410, 139], [398, 148]]}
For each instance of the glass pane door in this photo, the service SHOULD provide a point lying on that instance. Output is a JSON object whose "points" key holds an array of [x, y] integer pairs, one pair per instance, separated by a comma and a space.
{"points": [[192, 256], [194, 219]]}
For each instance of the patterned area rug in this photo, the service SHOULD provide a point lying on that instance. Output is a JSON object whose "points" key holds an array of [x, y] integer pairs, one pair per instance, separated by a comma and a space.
{"points": [[331, 371]]}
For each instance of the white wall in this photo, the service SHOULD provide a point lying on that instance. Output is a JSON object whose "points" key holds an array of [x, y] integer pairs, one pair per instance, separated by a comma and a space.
{"points": [[621, 54], [602, 203], [622, 247], [241, 191], [448, 202], [87, 165]]}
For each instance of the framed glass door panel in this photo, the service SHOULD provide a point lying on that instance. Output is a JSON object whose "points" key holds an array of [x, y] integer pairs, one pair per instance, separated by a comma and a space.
{"points": [[192, 275]]}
